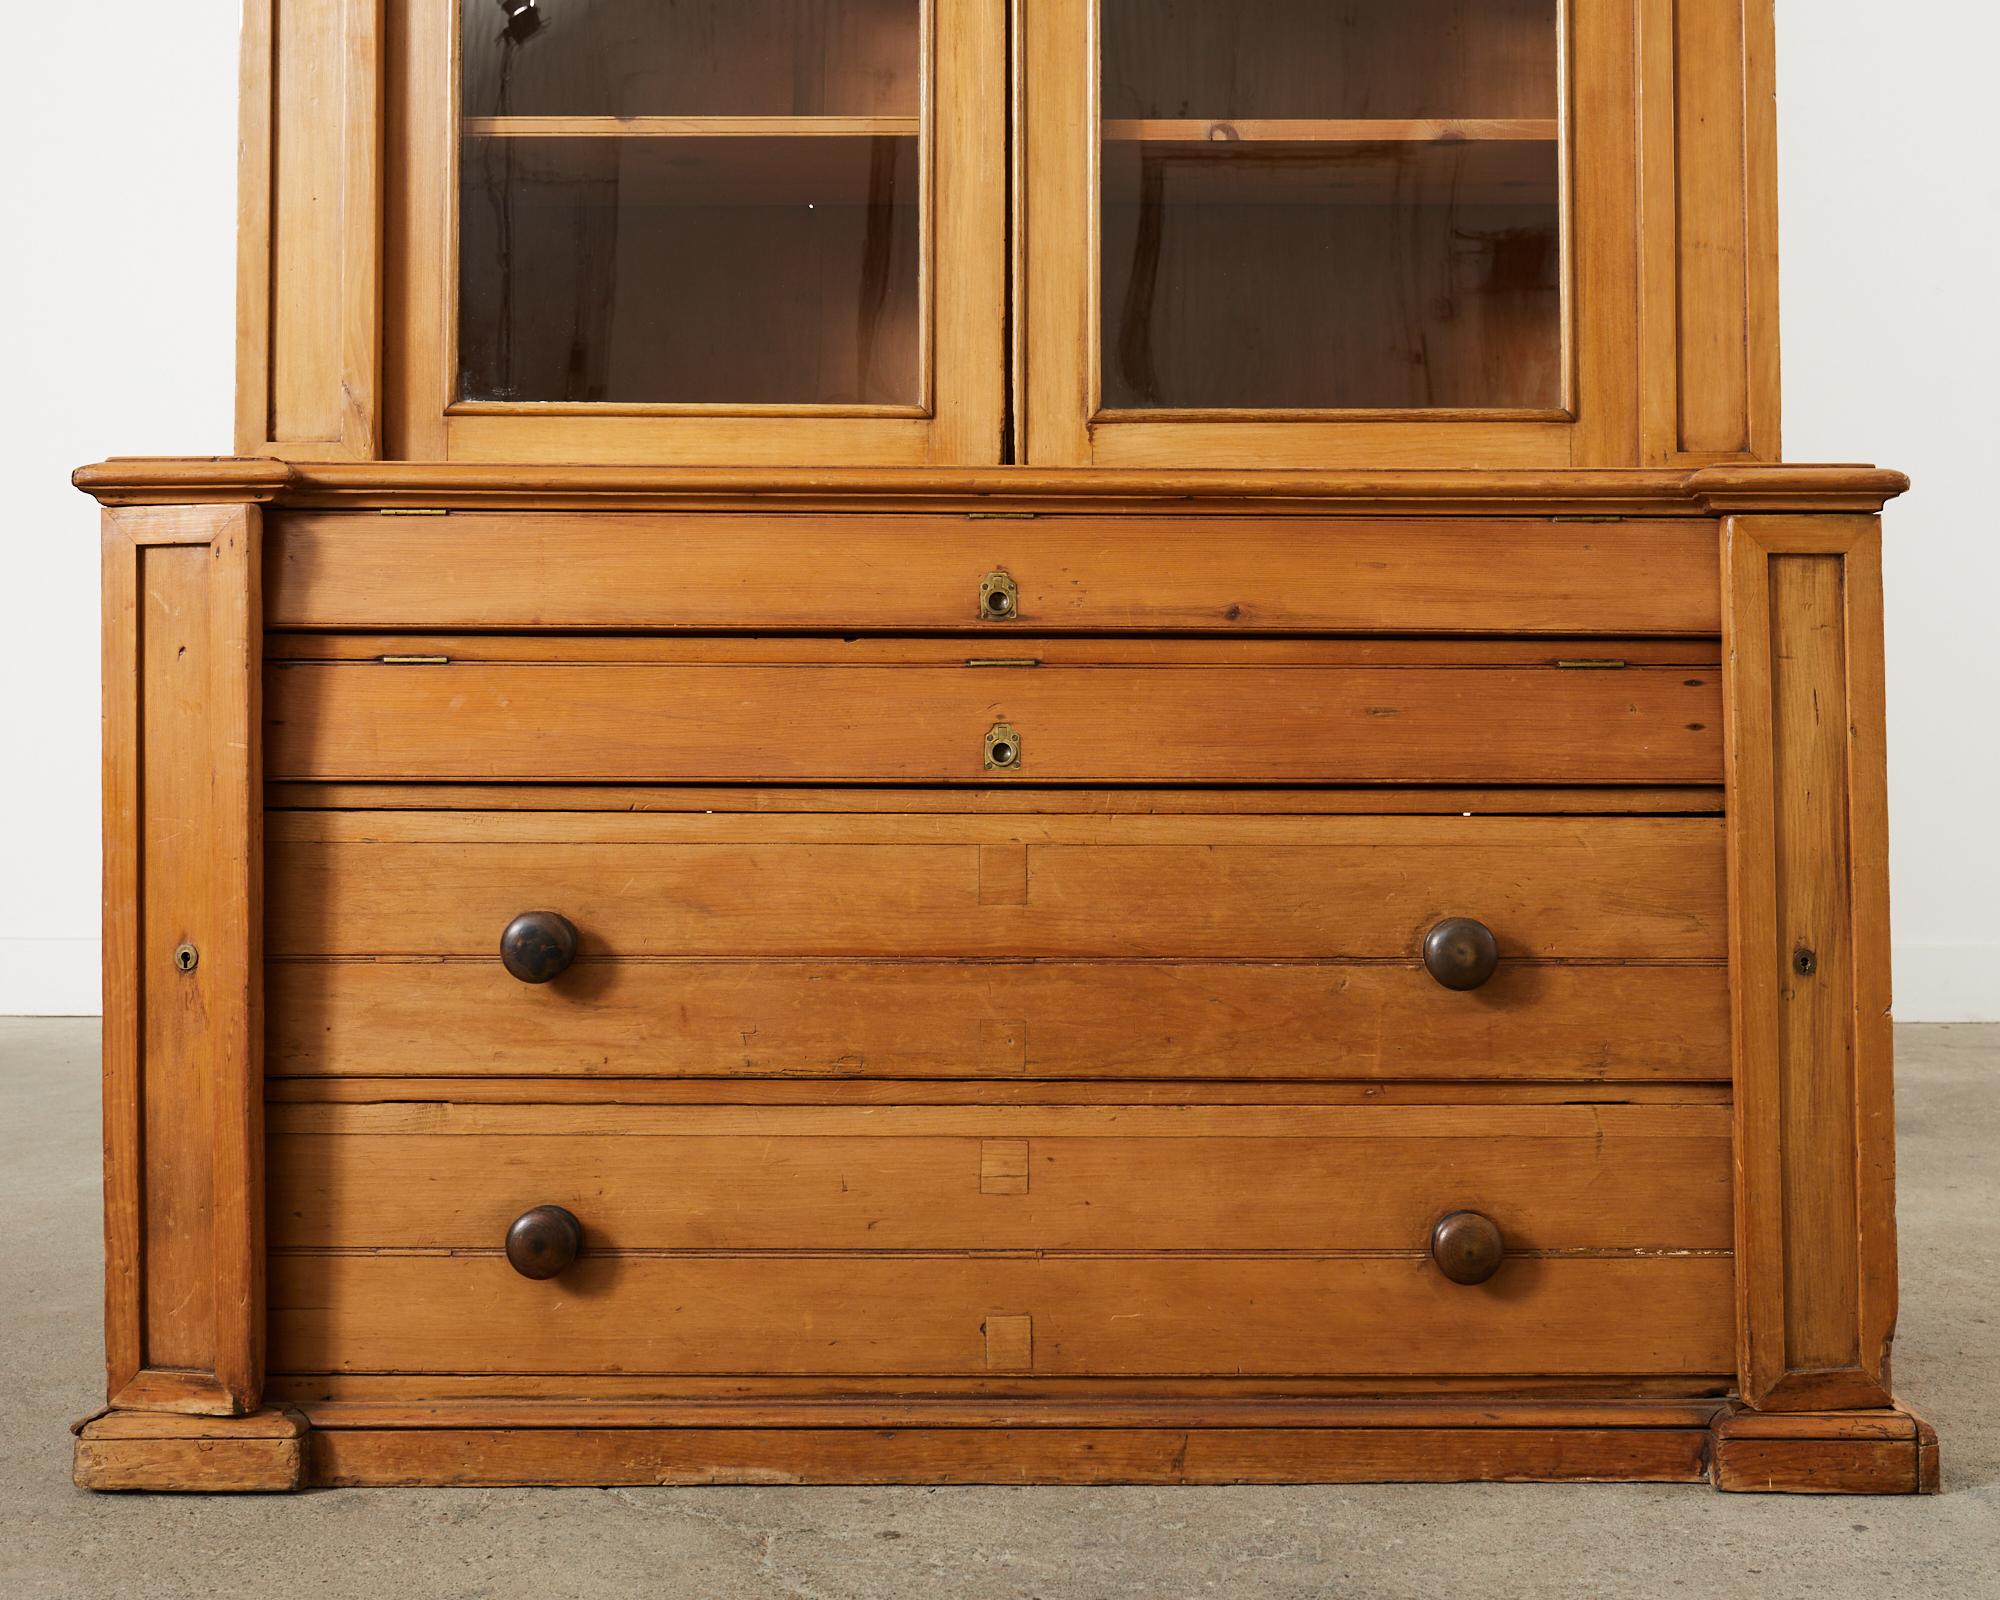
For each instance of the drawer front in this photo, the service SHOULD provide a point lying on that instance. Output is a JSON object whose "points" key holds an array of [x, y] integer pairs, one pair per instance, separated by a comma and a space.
{"points": [[1196, 1241], [1110, 1178], [1056, 1316], [593, 570], [1242, 715], [1297, 1020], [995, 946]]}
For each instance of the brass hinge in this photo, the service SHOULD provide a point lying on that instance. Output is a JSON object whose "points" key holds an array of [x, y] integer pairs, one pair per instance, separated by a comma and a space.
{"points": [[402, 511], [414, 661], [1586, 519], [1001, 516], [1591, 666], [1003, 661]]}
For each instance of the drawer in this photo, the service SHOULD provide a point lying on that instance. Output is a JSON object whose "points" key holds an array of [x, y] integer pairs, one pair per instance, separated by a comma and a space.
{"points": [[939, 711], [760, 573], [1146, 1241], [992, 946]]}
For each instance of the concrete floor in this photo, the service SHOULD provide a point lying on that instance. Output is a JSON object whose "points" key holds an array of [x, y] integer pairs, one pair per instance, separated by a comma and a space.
{"points": [[996, 1544]]}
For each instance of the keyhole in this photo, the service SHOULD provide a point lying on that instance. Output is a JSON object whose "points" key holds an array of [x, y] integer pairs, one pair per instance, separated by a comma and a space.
{"points": [[1805, 962], [187, 958]]}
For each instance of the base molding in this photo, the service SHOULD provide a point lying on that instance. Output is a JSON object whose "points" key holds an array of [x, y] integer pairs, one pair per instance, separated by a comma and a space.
{"points": [[1846, 1452], [155, 1450], [475, 1444]]}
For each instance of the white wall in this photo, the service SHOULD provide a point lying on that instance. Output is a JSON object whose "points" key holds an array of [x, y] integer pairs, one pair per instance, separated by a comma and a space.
{"points": [[118, 314], [1890, 190]]}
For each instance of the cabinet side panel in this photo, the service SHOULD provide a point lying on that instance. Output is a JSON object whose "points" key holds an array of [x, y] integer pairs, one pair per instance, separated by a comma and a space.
{"points": [[183, 960], [310, 291], [1725, 199], [1809, 955], [177, 815]]}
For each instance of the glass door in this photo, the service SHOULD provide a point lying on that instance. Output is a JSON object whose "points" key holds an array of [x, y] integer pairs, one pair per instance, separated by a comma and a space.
{"points": [[718, 231], [1311, 232]]}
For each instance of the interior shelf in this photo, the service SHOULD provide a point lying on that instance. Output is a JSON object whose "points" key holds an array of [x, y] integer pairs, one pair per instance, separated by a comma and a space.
{"points": [[1298, 130], [1292, 172], [691, 127], [729, 172]]}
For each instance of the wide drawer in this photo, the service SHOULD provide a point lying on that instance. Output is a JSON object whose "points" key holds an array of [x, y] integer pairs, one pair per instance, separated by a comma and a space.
{"points": [[1144, 1241], [942, 711], [989, 946], [716, 572]]}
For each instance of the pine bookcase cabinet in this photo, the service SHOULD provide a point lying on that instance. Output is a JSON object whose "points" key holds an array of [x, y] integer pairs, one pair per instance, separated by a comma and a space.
{"points": [[938, 741]]}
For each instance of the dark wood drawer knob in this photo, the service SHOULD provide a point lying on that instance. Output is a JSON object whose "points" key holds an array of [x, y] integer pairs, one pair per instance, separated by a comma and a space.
{"points": [[1461, 953], [543, 1242], [1467, 1247], [538, 946]]}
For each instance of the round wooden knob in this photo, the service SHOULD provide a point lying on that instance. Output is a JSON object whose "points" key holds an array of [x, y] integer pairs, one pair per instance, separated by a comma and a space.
{"points": [[538, 946], [1461, 953], [543, 1242], [1467, 1247]]}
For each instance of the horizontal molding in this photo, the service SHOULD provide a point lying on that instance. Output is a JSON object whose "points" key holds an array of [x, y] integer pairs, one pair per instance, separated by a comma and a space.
{"points": [[43, 977], [1948, 982]]}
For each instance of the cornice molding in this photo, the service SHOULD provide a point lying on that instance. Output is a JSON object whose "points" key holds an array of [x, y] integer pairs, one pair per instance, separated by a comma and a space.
{"points": [[392, 485]]}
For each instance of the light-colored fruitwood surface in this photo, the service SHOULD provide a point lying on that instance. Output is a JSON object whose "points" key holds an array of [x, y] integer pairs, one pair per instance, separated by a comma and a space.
{"points": [[1680, 800], [576, 571], [1560, 1179], [1134, 1315], [906, 1092], [1808, 844], [998, 1020], [413, 883], [310, 304], [1426, 491], [259, 1453], [1166, 1456], [183, 1104], [471, 721]]}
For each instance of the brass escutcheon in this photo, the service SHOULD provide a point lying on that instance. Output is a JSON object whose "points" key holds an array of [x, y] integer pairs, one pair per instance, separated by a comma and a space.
{"points": [[1003, 748], [999, 598], [186, 958]]}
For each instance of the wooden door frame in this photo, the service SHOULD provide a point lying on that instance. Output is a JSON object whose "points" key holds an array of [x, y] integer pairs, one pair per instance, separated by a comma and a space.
{"points": [[964, 271], [1057, 115]]}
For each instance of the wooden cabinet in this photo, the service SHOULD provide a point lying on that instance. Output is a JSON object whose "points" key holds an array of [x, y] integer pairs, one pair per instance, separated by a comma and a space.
{"points": [[1488, 233], [992, 741]]}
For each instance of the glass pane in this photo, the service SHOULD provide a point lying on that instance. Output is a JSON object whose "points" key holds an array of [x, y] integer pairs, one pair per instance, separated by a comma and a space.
{"points": [[691, 201], [1332, 204]]}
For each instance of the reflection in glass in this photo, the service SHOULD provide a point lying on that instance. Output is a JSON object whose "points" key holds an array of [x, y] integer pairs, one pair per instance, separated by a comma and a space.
{"points": [[692, 202], [1331, 204]]}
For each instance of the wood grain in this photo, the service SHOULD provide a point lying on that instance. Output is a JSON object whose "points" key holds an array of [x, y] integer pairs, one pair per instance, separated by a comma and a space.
{"points": [[1564, 1179], [1855, 1452], [356, 1457], [1712, 229], [1808, 870], [183, 1048], [850, 1093], [1426, 491], [640, 723], [1241, 888], [333, 570], [917, 1315], [126, 1451], [1679, 800], [310, 299], [1042, 1019]]}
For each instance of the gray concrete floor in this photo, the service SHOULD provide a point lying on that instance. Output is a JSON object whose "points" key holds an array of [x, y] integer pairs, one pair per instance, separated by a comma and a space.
{"points": [[1491, 1542]]}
